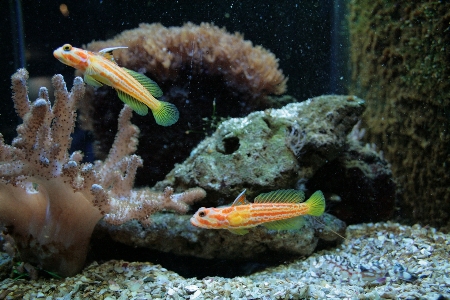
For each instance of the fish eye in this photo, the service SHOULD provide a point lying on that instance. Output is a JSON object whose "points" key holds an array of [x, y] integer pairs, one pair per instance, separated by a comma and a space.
{"points": [[201, 214], [67, 47]]}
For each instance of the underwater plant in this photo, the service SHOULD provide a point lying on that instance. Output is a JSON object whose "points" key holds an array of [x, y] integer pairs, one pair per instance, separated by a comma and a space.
{"points": [[50, 201]]}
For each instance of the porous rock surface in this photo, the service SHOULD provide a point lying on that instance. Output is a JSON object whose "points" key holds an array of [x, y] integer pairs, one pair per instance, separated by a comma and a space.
{"points": [[269, 150]]}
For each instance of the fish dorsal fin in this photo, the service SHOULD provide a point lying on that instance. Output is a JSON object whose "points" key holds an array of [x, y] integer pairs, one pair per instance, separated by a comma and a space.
{"points": [[108, 52], [240, 231], [288, 224], [281, 196], [240, 199], [146, 82], [139, 107]]}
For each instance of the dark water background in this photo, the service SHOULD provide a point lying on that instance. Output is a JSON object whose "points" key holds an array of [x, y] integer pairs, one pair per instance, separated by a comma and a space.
{"points": [[299, 33]]}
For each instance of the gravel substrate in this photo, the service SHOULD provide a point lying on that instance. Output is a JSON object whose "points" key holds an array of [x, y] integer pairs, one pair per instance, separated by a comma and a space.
{"points": [[376, 261]]}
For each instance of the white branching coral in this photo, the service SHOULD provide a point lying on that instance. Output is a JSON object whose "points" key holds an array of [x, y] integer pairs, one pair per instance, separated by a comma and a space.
{"points": [[296, 139], [50, 201]]}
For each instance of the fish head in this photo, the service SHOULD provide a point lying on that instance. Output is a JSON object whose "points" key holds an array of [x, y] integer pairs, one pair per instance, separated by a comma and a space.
{"points": [[72, 56], [212, 218]]}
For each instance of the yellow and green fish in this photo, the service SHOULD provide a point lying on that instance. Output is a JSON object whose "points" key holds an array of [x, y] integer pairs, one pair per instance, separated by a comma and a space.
{"points": [[279, 210], [136, 90]]}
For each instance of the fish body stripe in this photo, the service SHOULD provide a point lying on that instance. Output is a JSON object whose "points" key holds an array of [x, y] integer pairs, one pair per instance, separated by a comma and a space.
{"points": [[268, 212], [251, 215], [205, 223], [123, 81], [83, 55], [78, 58]]}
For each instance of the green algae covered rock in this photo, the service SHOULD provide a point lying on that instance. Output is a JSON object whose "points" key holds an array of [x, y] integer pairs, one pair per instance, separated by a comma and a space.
{"points": [[269, 150]]}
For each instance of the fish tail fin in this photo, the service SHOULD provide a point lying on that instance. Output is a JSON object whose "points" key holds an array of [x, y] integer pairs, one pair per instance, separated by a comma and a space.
{"points": [[166, 114], [316, 204]]}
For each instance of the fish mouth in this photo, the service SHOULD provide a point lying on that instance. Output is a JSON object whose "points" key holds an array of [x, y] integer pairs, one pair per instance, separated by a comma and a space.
{"points": [[61, 59], [206, 225], [58, 55], [194, 222]]}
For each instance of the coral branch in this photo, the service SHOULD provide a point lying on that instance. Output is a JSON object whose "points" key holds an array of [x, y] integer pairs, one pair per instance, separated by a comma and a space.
{"points": [[64, 115], [145, 202], [20, 92], [126, 132]]}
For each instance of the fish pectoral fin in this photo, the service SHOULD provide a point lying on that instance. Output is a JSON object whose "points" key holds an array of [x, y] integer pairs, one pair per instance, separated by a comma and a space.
{"points": [[288, 224], [92, 77], [91, 81], [239, 231], [146, 82], [93, 73], [139, 107], [281, 196]]}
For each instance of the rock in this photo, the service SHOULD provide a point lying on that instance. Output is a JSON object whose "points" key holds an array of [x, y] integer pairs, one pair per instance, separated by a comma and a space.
{"points": [[363, 180], [268, 150], [172, 233], [303, 145]]}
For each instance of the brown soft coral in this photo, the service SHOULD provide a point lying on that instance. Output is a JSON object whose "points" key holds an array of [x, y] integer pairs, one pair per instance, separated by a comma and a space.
{"points": [[163, 52], [49, 200]]}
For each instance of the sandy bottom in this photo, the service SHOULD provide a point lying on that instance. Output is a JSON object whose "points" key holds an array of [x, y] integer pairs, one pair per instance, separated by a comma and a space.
{"points": [[376, 261]]}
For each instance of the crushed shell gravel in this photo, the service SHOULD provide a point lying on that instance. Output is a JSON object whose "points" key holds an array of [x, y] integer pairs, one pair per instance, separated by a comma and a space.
{"points": [[376, 261]]}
